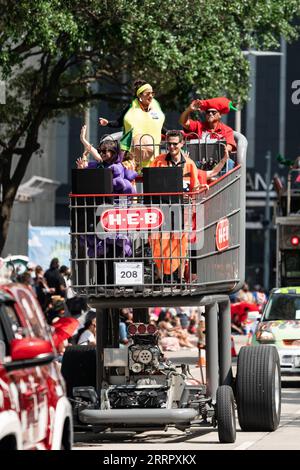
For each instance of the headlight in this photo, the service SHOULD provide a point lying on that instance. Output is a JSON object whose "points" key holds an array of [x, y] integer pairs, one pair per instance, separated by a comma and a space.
{"points": [[265, 336]]}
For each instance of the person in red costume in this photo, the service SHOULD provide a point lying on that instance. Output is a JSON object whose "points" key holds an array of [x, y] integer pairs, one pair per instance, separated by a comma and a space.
{"points": [[212, 125]]}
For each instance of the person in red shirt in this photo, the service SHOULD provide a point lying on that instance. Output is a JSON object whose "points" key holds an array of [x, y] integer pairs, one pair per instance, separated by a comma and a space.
{"points": [[212, 125]]}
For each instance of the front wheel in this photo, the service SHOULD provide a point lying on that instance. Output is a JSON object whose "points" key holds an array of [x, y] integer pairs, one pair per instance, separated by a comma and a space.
{"points": [[258, 388], [226, 414]]}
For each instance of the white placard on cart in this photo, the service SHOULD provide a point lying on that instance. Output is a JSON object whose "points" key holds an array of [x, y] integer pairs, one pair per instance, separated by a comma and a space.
{"points": [[129, 274]]}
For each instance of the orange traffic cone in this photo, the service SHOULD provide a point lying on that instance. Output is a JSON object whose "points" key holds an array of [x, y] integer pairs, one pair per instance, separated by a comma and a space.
{"points": [[202, 362], [249, 338], [201, 358], [233, 351]]}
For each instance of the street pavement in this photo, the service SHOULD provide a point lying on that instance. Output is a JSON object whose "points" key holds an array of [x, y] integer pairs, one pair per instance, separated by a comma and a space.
{"points": [[286, 437]]}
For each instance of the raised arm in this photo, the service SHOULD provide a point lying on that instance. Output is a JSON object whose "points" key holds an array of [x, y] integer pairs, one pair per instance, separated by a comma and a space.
{"points": [[117, 122], [185, 116], [88, 147]]}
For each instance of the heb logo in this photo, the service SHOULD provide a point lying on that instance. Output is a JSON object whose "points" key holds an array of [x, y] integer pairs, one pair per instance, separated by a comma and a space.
{"points": [[222, 234], [136, 219]]}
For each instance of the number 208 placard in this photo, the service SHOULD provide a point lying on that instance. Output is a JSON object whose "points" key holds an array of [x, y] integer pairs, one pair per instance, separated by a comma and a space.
{"points": [[128, 274]]}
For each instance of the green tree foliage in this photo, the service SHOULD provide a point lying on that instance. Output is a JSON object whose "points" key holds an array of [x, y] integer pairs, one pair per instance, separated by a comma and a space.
{"points": [[50, 50]]}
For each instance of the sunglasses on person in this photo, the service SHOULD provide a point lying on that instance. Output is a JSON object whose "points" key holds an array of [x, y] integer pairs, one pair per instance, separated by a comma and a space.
{"points": [[105, 151], [174, 144], [213, 112]]}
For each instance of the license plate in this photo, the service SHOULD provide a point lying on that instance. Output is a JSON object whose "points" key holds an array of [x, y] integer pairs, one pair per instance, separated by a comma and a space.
{"points": [[129, 274], [286, 360], [297, 361]]}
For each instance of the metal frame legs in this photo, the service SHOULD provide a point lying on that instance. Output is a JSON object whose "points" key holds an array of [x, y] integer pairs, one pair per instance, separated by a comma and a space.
{"points": [[218, 344], [218, 334]]}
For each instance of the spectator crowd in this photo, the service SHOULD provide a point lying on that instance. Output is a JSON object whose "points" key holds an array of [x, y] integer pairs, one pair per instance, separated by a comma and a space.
{"points": [[179, 328]]}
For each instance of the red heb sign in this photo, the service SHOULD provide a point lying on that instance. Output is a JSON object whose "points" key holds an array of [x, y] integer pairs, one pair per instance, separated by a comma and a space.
{"points": [[222, 234], [133, 219]]}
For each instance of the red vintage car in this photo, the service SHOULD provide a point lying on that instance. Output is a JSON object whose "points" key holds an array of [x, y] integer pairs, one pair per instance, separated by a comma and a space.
{"points": [[34, 410]]}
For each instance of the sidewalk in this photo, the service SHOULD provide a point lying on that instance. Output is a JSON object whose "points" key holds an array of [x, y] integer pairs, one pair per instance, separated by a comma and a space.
{"points": [[190, 356]]}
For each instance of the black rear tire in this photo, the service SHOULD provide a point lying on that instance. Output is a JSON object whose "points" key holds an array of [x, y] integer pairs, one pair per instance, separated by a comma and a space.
{"points": [[258, 388], [79, 367], [226, 414]]}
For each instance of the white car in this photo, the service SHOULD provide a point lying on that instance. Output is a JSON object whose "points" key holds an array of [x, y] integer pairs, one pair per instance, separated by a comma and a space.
{"points": [[280, 326]]}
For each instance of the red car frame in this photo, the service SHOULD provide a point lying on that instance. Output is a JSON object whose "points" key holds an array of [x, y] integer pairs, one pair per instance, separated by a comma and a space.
{"points": [[34, 410]]}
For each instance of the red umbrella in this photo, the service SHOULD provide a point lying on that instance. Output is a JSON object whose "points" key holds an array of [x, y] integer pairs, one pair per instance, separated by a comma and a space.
{"points": [[64, 328]]}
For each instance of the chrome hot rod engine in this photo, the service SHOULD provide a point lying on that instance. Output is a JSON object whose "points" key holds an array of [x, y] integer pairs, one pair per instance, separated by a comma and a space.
{"points": [[139, 378], [144, 355], [147, 372]]}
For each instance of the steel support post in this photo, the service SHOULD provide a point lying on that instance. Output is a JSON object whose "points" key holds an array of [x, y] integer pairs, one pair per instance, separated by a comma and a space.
{"points": [[225, 343], [268, 222], [102, 318], [114, 327], [212, 349]]}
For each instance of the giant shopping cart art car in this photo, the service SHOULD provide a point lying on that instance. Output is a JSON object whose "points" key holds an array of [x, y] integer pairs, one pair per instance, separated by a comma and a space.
{"points": [[166, 249]]}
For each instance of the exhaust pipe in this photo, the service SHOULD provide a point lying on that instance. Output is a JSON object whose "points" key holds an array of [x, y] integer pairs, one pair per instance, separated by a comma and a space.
{"points": [[139, 416]]}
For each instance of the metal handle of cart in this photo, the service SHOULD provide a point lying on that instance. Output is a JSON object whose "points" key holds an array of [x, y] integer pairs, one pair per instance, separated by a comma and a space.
{"points": [[134, 242], [187, 257], [203, 150]]}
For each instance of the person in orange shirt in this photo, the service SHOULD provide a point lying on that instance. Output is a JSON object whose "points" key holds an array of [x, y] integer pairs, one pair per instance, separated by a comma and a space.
{"points": [[176, 158], [169, 253]]}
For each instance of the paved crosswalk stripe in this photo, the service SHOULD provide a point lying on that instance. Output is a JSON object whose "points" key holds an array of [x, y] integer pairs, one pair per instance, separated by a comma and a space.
{"points": [[244, 446]]}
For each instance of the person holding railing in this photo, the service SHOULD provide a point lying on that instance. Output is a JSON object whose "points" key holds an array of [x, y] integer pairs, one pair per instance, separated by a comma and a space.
{"points": [[142, 123], [206, 176]]}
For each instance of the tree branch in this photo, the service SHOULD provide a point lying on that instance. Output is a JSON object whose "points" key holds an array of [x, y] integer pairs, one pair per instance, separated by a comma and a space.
{"points": [[68, 104], [18, 150], [91, 79], [3, 144], [31, 54], [31, 145], [28, 118], [21, 47]]}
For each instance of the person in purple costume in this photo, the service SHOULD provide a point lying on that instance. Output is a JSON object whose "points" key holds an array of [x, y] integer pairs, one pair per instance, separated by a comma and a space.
{"points": [[97, 248], [108, 155]]}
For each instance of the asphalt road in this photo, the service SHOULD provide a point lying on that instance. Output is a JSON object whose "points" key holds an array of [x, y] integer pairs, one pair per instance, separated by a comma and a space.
{"points": [[286, 437]]}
